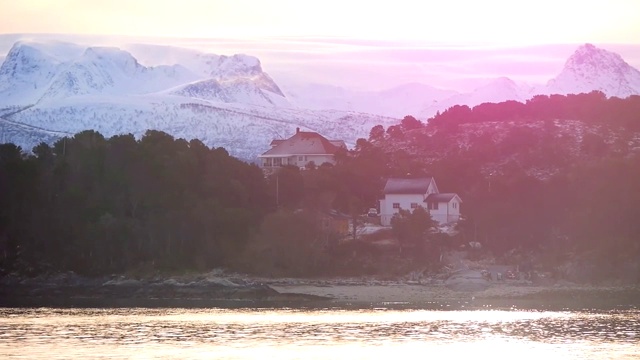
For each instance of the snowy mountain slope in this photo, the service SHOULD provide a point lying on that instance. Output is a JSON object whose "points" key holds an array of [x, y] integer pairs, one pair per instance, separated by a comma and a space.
{"points": [[244, 130], [591, 68], [240, 90], [27, 136]]}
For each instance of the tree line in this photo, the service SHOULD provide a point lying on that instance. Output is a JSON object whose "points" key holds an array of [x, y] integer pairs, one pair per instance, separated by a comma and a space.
{"points": [[99, 206], [95, 205]]}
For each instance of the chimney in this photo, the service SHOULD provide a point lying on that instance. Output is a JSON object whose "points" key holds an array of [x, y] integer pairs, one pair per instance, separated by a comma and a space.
{"points": [[297, 130]]}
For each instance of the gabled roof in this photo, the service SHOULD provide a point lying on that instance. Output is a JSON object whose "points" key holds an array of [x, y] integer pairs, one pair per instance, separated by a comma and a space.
{"points": [[407, 186], [302, 143], [444, 197]]}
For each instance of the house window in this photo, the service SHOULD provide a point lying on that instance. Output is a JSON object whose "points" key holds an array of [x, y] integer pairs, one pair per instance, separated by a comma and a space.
{"points": [[414, 205], [396, 205], [300, 158], [433, 206], [455, 205]]}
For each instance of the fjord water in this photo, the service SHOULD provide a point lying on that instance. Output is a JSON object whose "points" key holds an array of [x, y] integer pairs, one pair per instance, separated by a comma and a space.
{"points": [[140, 333]]}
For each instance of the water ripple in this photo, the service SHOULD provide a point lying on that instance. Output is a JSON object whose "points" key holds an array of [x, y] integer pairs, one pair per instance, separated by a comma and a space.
{"points": [[153, 333]]}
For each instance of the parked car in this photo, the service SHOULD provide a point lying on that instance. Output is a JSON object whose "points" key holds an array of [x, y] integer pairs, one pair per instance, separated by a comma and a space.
{"points": [[373, 212]]}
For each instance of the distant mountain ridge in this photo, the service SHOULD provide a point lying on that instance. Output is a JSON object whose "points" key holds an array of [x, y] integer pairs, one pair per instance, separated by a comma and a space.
{"points": [[588, 69], [50, 89]]}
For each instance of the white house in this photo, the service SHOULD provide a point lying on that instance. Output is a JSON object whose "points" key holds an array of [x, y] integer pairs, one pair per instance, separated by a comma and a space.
{"points": [[301, 149], [408, 194]]}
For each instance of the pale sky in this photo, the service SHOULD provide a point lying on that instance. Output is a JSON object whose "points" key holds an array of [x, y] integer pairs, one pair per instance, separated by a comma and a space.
{"points": [[498, 22], [354, 43]]}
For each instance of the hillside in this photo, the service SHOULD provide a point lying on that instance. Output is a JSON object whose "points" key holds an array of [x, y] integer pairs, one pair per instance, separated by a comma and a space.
{"points": [[555, 179], [551, 184], [542, 138]]}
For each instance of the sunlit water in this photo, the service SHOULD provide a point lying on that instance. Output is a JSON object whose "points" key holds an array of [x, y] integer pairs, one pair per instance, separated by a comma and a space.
{"points": [[139, 333]]}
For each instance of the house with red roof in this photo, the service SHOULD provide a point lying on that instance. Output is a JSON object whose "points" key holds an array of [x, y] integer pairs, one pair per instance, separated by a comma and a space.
{"points": [[408, 194], [301, 149]]}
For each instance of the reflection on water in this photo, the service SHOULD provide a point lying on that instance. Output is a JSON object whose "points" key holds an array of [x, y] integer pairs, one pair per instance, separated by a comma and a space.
{"points": [[139, 333]]}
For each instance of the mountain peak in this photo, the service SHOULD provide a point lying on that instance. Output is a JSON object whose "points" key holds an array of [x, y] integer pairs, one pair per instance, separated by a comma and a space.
{"points": [[238, 65], [589, 55], [588, 47], [591, 68], [116, 57], [29, 67]]}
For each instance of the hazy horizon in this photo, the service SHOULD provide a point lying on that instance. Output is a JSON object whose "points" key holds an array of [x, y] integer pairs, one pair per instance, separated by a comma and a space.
{"points": [[456, 44]]}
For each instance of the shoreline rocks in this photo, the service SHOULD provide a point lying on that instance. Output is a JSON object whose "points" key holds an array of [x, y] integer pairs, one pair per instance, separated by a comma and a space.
{"points": [[70, 286]]}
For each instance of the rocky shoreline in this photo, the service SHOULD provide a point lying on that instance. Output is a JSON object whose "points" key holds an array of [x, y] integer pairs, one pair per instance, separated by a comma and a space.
{"points": [[217, 289], [71, 289]]}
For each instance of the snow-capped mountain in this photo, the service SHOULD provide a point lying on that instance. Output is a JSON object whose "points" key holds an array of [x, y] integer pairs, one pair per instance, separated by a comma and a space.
{"points": [[254, 90], [591, 68], [34, 72], [113, 71], [53, 90]]}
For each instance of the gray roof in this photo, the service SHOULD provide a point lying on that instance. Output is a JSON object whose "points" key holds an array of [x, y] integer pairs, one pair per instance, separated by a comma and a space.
{"points": [[407, 186], [302, 143], [443, 197]]}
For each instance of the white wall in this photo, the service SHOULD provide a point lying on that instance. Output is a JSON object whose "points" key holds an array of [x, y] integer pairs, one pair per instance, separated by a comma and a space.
{"points": [[386, 206], [446, 212]]}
